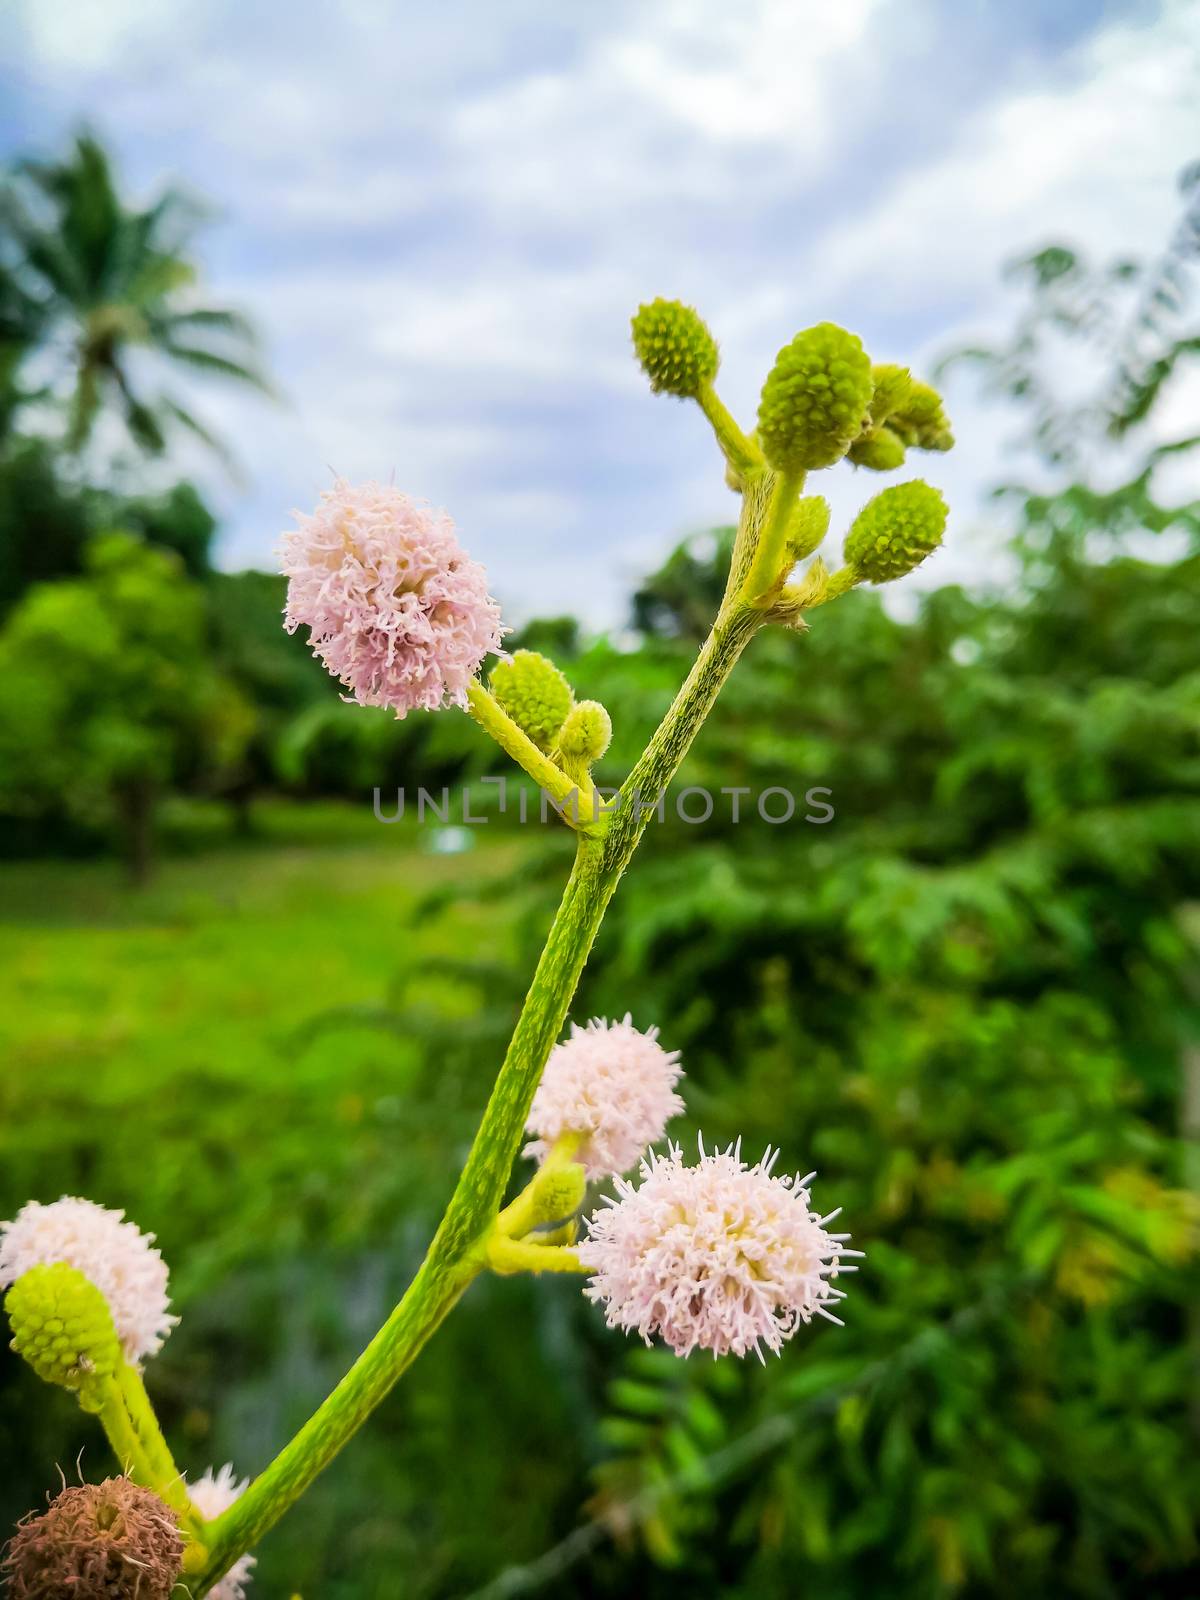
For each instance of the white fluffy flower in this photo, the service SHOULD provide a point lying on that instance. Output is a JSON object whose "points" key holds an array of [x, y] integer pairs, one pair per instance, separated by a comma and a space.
{"points": [[611, 1082], [719, 1256], [214, 1493], [111, 1253]]}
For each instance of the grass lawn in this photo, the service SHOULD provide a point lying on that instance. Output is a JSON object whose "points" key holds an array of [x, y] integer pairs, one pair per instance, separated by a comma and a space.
{"points": [[151, 1040]]}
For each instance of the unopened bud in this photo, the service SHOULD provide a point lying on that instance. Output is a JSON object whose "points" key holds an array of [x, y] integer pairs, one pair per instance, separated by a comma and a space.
{"points": [[879, 449], [63, 1327], [534, 693], [675, 348], [586, 733], [815, 399], [893, 385], [922, 421], [558, 1193], [894, 532], [808, 526]]}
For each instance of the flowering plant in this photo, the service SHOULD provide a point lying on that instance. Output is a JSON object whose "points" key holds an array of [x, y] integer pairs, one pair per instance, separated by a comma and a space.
{"points": [[716, 1254]]}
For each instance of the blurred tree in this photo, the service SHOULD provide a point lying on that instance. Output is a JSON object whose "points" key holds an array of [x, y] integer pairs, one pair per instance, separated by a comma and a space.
{"points": [[107, 695], [94, 282], [45, 520]]}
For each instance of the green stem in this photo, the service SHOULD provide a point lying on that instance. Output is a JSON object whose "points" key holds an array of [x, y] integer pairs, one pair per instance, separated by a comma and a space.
{"points": [[743, 456], [459, 1248], [167, 1479], [766, 574], [518, 1255]]}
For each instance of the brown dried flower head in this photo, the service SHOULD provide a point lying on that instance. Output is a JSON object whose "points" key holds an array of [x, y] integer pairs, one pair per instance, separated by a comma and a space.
{"points": [[99, 1541]]}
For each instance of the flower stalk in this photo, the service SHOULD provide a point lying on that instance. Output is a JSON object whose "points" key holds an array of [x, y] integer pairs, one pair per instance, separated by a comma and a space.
{"points": [[460, 1248]]}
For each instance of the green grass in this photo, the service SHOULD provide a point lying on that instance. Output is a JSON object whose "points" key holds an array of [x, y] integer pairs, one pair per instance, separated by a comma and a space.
{"points": [[152, 1040]]}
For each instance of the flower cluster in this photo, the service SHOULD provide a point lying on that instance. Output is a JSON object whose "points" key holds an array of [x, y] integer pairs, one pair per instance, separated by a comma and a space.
{"points": [[611, 1083], [719, 1256], [395, 608], [112, 1254]]}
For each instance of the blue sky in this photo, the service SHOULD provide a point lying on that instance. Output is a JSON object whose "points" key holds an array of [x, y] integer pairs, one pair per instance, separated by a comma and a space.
{"points": [[442, 216]]}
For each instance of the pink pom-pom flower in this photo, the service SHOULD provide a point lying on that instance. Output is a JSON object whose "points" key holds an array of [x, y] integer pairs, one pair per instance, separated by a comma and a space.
{"points": [[112, 1254], [612, 1083], [214, 1493], [395, 608], [719, 1256]]}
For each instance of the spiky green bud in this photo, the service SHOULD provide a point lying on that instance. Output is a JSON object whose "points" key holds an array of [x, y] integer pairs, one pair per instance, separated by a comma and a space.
{"points": [[676, 351], [808, 526], [893, 385], [921, 419], [586, 733], [62, 1326], [558, 1193], [879, 449], [534, 693], [815, 399], [894, 532]]}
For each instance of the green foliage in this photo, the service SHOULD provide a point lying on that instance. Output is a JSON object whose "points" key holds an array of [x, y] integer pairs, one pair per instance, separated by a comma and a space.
{"points": [[107, 695], [45, 522]]}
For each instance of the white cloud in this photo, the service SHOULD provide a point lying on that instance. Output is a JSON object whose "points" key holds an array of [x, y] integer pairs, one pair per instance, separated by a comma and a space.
{"points": [[1088, 154], [443, 218]]}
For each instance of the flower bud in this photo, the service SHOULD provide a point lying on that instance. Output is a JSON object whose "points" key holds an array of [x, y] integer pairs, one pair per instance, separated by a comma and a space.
{"points": [[558, 1193], [97, 1541], [878, 448], [674, 347], [894, 532], [63, 1327], [586, 733], [534, 693], [808, 526], [893, 385], [112, 1254], [815, 399], [921, 419]]}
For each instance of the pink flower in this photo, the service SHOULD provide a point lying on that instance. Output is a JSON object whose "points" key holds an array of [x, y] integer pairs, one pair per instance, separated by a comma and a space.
{"points": [[215, 1493], [395, 608], [612, 1083], [719, 1256], [114, 1255]]}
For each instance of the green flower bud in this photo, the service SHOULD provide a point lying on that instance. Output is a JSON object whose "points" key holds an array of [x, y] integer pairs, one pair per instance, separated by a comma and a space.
{"points": [[815, 399], [878, 448], [62, 1326], [586, 733], [534, 693], [894, 532], [676, 351], [893, 385], [558, 1193], [921, 420], [808, 526]]}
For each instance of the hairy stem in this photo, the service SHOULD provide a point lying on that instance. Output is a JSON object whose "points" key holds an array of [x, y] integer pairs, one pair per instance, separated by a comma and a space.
{"points": [[459, 1248], [741, 453]]}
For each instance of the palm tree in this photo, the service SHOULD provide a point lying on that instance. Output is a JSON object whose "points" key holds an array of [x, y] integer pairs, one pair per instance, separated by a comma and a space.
{"points": [[106, 281]]}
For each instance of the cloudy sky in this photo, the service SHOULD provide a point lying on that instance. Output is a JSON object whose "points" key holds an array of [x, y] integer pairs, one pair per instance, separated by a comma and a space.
{"points": [[442, 215]]}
